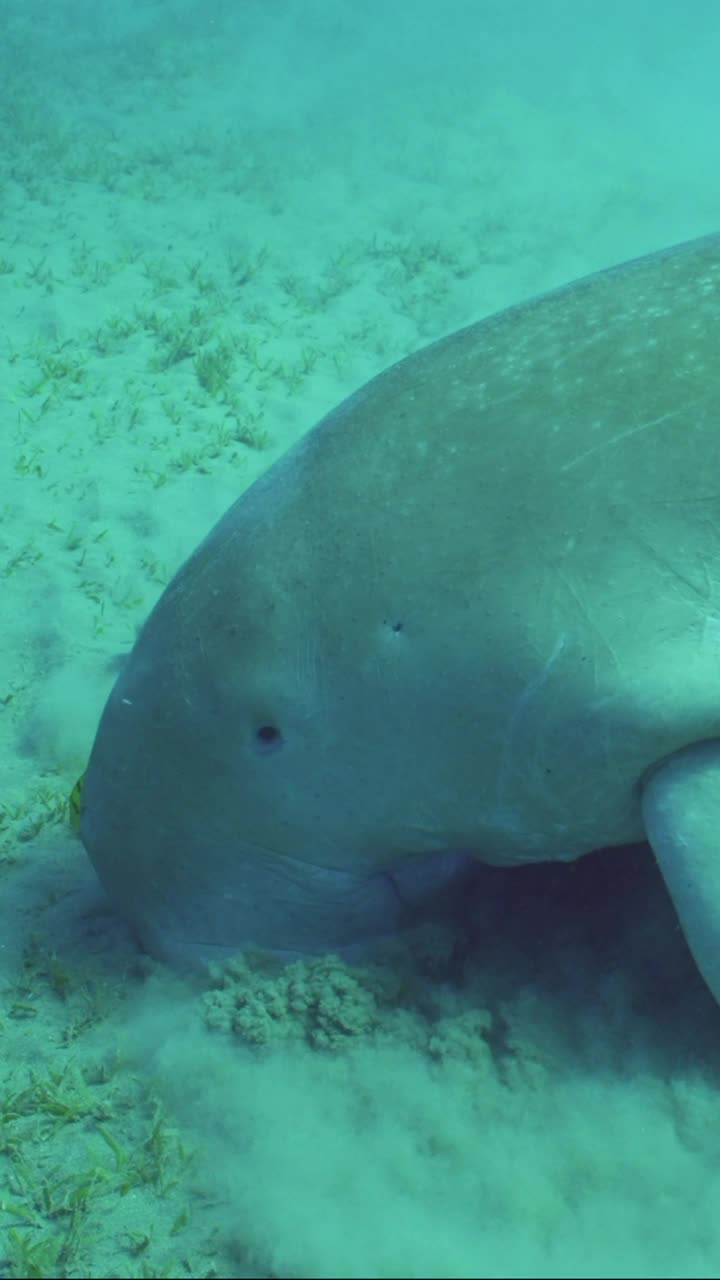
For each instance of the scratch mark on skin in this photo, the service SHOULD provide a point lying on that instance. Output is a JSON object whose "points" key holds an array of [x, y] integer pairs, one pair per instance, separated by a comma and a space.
{"points": [[532, 688], [592, 625], [670, 570], [623, 435]]}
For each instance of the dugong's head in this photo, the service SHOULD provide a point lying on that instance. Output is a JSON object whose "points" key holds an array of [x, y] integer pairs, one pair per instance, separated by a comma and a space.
{"points": [[249, 781]]}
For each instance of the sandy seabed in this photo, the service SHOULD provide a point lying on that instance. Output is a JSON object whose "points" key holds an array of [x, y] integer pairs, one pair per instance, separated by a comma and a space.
{"points": [[215, 222]]}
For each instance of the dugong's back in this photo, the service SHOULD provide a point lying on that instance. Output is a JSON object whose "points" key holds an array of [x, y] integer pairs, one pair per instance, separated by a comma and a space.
{"points": [[539, 491], [476, 603]]}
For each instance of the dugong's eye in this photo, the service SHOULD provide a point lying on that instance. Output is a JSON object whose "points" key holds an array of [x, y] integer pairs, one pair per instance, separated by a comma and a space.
{"points": [[268, 738]]}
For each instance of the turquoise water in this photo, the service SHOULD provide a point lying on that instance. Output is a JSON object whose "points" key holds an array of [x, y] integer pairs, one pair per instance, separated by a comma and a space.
{"points": [[215, 223]]}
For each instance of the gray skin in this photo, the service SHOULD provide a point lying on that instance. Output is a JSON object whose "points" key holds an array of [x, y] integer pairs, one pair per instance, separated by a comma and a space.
{"points": [[475, 611]]}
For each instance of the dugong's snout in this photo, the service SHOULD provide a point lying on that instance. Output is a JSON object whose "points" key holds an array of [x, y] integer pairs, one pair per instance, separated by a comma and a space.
{"points": [[195, 871], [208, 841], [225, 894], [221, 892]]}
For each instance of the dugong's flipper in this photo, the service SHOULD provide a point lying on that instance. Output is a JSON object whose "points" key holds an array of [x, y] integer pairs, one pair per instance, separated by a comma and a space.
{"points": [[681, 810]]}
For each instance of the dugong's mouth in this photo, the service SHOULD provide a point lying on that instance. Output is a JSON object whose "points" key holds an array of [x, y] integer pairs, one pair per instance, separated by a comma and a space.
{"points": [[243, 894]]}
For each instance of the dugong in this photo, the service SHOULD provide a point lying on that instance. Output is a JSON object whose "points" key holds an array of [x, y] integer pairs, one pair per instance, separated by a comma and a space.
{"points": [[475, 612]]}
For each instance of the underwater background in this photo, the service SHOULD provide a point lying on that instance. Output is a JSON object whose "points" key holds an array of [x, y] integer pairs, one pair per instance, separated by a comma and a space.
{"points": [[216, 221]]}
